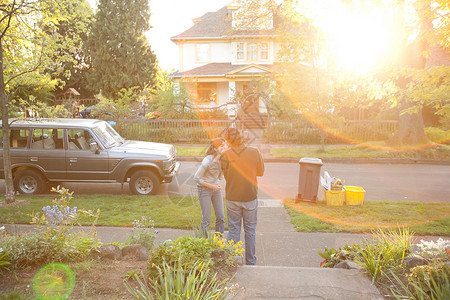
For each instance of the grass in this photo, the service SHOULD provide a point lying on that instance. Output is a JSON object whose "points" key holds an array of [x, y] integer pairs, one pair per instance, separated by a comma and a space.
{"points": [[421, 218], [185, 213], [117, 210], [191, 151], [362, 151]]}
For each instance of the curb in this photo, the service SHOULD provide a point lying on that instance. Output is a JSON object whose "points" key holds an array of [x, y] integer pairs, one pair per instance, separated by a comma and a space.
{"points": [[344, 160]]}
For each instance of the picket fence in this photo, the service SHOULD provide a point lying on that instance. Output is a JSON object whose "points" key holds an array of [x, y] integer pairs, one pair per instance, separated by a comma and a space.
{"points": [[302, 132]]}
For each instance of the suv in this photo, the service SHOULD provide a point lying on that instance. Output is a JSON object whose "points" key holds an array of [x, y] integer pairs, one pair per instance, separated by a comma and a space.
{"points": [[84, 150]]}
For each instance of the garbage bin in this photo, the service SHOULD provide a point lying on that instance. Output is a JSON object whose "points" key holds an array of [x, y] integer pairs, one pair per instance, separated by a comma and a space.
{"points": [[308, 181]]}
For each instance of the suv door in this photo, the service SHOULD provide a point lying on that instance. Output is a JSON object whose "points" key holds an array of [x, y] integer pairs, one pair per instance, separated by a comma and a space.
{"points": [[81, 162], [46, 150]]}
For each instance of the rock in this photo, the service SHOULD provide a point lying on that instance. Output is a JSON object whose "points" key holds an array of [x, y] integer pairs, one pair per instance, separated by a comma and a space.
{"points": [[239, 260], [136, 251], [414, 260], [110, 251], [219, 255], [347, 264]]}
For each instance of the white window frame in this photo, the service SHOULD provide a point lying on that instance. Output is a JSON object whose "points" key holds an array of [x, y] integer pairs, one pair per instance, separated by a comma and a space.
{"points": [[202, 53], [264, 50], [241, 49]]}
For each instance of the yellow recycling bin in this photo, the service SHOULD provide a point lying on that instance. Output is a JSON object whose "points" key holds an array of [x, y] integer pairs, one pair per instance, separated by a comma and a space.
{"points": [[354, 195]]}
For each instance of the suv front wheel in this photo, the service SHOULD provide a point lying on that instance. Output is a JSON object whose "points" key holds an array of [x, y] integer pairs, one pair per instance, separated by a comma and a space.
{"points": [[144, 183], [29, 182]]}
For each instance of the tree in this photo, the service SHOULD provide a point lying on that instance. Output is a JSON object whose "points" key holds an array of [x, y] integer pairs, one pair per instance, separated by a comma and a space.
{"points": [[24, 53], [121, 55], [72, 34]]}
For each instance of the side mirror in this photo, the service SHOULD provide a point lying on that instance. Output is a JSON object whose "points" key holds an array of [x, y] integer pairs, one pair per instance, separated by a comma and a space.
{"points": [[94, 148]]}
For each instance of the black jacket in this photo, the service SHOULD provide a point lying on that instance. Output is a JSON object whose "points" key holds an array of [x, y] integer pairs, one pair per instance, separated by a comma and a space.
{"points": [[241, 165]]}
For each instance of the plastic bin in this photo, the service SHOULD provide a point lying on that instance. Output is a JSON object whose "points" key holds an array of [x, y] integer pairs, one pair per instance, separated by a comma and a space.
{"points": [[335, 198], [354, 195], [309, 177]]}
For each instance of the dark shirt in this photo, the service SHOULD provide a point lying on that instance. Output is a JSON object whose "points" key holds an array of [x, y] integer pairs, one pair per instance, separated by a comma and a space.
{"points": [[240, 166]]}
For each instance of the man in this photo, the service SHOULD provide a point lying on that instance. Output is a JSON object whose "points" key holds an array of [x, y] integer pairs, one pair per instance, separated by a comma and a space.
{"points": [[241, 165]]}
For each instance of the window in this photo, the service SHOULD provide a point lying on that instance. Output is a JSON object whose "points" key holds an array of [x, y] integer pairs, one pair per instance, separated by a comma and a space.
{"points": [[46, 138], [206, 92], [264, 51], [18, 138], [79, 139], [252, 51], [202, 53], [240, 51]]}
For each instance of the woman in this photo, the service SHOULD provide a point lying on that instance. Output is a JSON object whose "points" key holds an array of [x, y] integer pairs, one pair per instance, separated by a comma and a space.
{"points": [[209, 190]]}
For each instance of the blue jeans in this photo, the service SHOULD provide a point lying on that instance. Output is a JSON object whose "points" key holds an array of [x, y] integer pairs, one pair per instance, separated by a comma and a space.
{"points": [[208, 196], [246, 213]]}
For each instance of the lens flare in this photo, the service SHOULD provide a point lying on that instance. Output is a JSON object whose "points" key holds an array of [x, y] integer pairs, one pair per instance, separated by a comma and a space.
{"points": [[54, 281]]}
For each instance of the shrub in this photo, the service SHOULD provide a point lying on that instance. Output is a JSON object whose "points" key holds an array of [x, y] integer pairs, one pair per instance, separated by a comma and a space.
{"points": [[437, 135], [187, 250], [431, 279], [144, 233]]}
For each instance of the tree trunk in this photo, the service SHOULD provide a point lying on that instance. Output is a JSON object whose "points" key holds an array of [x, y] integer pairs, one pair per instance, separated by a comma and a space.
{"points": [[5, 130], [411, 130]]}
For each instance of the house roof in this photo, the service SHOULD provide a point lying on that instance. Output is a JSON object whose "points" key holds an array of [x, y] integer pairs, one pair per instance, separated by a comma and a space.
{"points": [[224, 69], [217, 25]]}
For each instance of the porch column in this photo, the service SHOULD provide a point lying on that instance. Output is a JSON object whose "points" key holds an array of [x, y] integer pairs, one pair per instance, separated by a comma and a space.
{"points": [[231, 90]]}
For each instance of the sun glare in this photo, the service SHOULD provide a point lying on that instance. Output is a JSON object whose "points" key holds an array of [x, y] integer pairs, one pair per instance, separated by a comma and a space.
{"points": [[357, 41]]}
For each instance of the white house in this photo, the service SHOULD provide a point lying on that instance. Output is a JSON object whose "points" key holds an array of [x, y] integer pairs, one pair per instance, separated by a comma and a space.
{"points": [[224, 51]]}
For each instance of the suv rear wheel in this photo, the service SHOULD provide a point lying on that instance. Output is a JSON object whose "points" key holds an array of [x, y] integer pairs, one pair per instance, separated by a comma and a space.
{"points": [[29, 182], [144, 183]]}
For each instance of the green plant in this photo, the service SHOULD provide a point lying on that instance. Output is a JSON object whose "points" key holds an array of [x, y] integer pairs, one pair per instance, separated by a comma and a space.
{"points": [[177, 282], [387, 250], [187, 250], [132, 274], [144, 232], [437, 135], [333, 256], [424, 283]]}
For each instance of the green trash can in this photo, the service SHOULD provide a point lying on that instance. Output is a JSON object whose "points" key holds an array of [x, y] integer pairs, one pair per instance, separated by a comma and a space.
{"points": [[309, 177]]}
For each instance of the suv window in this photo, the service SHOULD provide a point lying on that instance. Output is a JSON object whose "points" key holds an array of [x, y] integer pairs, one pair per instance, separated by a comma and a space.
{"points": [[18, 138], [79, 139], [46, 138]]}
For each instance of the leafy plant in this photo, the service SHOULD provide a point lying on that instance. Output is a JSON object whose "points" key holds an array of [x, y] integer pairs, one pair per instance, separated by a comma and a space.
{"points": [[438, 249], [333, 257], [425, 282], [386, 251], [144, 233], [187, 250], [132, 274], [177, 282]]}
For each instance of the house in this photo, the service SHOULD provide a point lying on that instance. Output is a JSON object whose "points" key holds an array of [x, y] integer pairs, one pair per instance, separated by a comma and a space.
{"points": [[224, 51]]}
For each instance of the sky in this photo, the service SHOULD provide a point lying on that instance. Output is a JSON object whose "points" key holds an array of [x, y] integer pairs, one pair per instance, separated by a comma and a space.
{"points": [[172, 17]]}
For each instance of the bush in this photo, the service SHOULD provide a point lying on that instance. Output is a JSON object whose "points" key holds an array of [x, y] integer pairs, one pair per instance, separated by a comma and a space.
{"points": [[431, 280], [186, 251], [144, 233], [437, 135]]}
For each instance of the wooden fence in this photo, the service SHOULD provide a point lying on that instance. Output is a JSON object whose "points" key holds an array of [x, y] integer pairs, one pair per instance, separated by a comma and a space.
{"points": [[298, 131], [198, 131]]}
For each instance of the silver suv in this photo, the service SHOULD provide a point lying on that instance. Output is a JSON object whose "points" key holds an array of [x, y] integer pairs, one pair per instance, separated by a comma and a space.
{"points": [[84, 150]]}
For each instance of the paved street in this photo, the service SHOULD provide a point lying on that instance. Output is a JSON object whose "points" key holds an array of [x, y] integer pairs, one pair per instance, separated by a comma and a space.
{"points": [[392, 182]]}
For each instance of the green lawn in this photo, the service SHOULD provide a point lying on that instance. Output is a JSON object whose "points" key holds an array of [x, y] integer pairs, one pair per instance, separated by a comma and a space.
{"points": [[421, 218], [351, 151], [117, 210], [185, 213], [191, 151]]}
